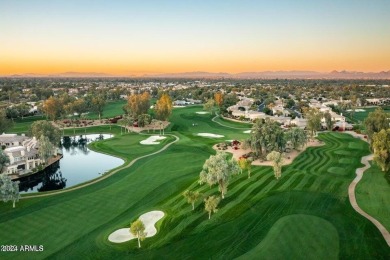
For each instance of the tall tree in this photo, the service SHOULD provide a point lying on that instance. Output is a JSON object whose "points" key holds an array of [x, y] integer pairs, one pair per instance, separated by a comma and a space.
{"points": [[143, 120], [9, 190], [192, 197], [98, 104], [5, 124], [164, 107], [227, 101], [245, 164], [138, 104], [45, 128], [297, 137], [381, 147], [79, 106], [11, 112], [23, 109], [209, 106], [128, 121], [266, 135], [218, 97], [137, 228], [376, 121], [210, 204], [52, 108], [328, 121], [354, 101], [218, 170], [3, 159], [46, 148], [277, 161], [313, 117]]}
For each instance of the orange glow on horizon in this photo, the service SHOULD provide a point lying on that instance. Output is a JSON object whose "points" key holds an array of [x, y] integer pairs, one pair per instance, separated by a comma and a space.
{"points": [[9, 67]]}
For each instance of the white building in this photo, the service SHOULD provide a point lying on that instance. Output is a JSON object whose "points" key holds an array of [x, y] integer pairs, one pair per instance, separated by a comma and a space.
{"points": [[22, 152], [252, 115]]}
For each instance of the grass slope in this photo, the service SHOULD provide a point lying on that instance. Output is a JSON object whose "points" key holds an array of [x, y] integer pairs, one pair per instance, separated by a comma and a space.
{"points": [[77, 224], [308, 236], [373, 195]]}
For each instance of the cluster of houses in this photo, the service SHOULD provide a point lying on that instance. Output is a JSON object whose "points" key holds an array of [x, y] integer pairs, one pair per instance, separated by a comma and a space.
{"points": [[22, 152], [188, 101], [242, 110]]}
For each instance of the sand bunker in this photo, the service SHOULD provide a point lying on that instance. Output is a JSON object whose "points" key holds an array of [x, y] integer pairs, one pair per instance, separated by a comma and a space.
{"points": [[202, 112], [152, 140], [357, 110], [210, 135], [247, 131], [149, 219]]}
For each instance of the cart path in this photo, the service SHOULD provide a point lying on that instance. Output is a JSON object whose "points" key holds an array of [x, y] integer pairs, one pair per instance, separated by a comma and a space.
{"points": [[352, 198], [107, 175]]}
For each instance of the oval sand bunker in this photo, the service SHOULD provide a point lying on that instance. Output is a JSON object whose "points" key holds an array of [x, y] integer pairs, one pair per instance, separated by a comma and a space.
{"points": [[149, 219], [210, 135]]}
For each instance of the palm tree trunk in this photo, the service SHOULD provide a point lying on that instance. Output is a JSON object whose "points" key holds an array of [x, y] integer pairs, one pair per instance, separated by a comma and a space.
{"points": [[139, 243], [193, 205], [13, 204], [209, 214]]}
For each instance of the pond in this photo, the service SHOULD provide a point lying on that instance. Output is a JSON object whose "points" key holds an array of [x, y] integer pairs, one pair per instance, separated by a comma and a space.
{"points": [[79, 164]]}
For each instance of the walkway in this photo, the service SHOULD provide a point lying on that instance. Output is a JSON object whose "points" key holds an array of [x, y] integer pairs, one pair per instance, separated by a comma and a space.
{"points": [[352, 197]]}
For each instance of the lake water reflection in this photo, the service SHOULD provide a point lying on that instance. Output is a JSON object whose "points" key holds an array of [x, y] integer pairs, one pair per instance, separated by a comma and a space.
{"points": [[79, 164]]}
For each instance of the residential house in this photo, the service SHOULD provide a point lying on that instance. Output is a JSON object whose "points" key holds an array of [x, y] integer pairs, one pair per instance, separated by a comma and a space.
{"points": [[22, 152]]}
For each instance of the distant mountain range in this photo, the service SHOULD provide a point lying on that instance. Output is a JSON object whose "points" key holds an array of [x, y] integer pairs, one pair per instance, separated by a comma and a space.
{"points": [[295, 74], [69, 74], [279, 75]]}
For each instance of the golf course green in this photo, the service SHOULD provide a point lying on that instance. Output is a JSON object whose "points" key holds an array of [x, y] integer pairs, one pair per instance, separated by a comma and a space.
{"points": [[306, 213]]}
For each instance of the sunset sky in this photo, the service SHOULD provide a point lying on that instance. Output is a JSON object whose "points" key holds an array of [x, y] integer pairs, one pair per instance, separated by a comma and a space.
{"points": [[143, 37]]}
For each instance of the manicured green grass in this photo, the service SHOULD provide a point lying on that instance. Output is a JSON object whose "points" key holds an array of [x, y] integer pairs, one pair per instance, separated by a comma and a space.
{"points": [[233, 124], [76, 225], [360, 116], [111, 109], [188, 122], [21, 125], [296, 236], [373, 195]]}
